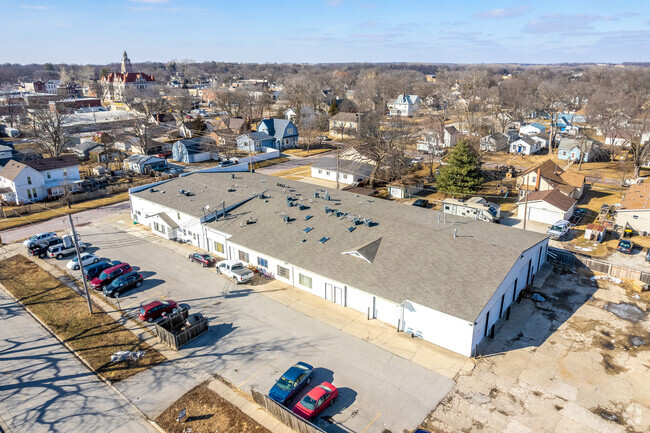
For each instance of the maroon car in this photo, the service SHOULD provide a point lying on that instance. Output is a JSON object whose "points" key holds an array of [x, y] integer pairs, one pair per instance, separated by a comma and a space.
{"points": [[155, 309], [204, 259], [108, 275]]}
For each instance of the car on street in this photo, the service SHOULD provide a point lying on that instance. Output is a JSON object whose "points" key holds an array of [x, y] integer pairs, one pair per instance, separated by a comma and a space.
{"points": [[291, 382], [84, 259], [236, 270], [625, 246], [151, 311], [421, 202], [316, 401], [108, 275], [123, 283], [205, 259], [38, 239], [93, 270], [226, 163], [559, 229], [40, 249]]}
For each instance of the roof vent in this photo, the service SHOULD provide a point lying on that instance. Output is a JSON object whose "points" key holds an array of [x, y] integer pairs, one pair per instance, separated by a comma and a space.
{"points": [[152, 190], [316, 195], [368, 222], [181, 191]]}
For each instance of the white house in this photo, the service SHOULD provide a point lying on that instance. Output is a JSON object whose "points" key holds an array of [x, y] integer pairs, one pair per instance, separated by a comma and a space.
{"points": [[404, 105], [525, 146], [635, 208], [432, 139], [37, 179], [547, 207], [494, 142], [307, 115], [532, 128], [349, 172], [352, 250]]}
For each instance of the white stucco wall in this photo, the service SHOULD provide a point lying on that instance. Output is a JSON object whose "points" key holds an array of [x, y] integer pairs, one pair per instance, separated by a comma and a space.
{"points": [[321, 173]]}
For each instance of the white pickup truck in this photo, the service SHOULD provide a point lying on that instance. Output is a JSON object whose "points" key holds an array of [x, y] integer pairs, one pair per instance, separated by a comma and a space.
{"points": [[235, 270]]}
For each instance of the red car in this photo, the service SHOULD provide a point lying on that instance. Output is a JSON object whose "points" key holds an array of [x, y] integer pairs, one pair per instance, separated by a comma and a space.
{"points": [[204, 259], [166, 154], [155, 309], [108, 275], [316, 401]]}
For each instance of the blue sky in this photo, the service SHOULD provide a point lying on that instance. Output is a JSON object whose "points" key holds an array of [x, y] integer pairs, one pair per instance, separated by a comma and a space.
{"points": [[312, 31]]}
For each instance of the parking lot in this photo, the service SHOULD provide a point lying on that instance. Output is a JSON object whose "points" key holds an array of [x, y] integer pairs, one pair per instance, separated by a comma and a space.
{"points": [[253, 339]]}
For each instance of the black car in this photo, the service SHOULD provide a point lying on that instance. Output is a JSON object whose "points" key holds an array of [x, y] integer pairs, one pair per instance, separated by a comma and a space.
{"points": [[40, 250], [123, 283], [421, 203]]}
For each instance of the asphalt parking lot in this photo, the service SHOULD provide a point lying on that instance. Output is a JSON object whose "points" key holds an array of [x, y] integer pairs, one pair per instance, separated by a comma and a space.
{"points": [[253, 339]]}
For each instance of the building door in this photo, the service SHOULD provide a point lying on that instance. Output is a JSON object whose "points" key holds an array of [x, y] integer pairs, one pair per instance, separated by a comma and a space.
{"points": [[328, 291], [338, 296]]}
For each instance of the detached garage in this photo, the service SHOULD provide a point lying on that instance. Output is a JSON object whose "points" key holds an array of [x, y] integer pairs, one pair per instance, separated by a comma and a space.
{"points": [[546, 206]]}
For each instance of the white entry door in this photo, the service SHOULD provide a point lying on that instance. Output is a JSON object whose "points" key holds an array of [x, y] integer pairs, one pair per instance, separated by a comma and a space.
{"points": [[338, 296]]}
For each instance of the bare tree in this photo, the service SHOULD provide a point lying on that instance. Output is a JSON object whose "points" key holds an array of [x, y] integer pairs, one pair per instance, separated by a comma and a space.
{"points": [[179, 101], [107, 144], [147, 104], [606, 110], [49, 130], [640, 142], [551, 97]]}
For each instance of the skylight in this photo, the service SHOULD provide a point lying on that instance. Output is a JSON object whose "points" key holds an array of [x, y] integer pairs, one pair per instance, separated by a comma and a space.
{"points": [[351, 229], [323, 239], [308, 229], [307, 217]]}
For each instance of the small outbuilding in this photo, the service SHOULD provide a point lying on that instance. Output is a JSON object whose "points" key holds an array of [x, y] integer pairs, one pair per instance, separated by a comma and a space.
{"points": [[144, 163], [193, 150], [546, 207], [595, 232]]}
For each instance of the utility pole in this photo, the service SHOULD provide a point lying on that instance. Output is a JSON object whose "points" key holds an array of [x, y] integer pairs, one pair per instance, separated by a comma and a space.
{"points": [[526, 202], [83, 278]]}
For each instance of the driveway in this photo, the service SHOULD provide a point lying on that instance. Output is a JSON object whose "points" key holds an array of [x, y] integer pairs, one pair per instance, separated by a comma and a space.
{"points": [[254, 338], [293, 163], [44, 388]]}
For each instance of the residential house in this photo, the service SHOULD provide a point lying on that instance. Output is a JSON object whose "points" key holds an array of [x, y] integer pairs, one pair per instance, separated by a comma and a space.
{"points": [[549, 175], [83, 148], [283, 131], [404, 105], [532, 128], [344, 124], [307, 115], [144, 163], [192, 150], [36, 179], [634, 209], [255, 142], [494, 142], [547, 207], [577, 148], [104, 154], [433, 139], [525, 146], [349, 172], [353, 251], [542, 139], [228, 124]]}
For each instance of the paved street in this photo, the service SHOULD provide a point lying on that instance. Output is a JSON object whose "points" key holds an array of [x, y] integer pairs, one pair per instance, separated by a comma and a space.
{"points": [[254, 338], [44, 388]]}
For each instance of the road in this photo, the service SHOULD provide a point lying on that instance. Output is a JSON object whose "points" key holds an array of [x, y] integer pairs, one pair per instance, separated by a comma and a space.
{"points": [[253, 339], [44, 388]]}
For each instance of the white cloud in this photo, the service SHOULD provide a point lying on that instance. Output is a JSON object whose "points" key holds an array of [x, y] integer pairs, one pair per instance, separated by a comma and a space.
{"points": [[35, 7], [503, 13]]}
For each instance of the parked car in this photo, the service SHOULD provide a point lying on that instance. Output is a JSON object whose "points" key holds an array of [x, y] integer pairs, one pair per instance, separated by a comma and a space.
{"points": [[166, 154], [421, 203], [226, 163], [236, 270], [625, 246], [291, 382], [82, 260], [155, 309], [40, 249], [417, 160], [38, 238], [647, 256], [93, 270], [64, 249], [204, 259], [559, 229], [108, 275], [123, 283], [316, 401]]}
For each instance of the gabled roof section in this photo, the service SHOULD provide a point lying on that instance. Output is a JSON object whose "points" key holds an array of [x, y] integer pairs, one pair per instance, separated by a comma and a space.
{"points": [[366, 252], [564, 181], [552, 197], [62, 161], [12, 169]]}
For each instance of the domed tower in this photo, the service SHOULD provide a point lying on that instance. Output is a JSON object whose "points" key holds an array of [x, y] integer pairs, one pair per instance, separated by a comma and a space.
{"points": [[126, 64]]}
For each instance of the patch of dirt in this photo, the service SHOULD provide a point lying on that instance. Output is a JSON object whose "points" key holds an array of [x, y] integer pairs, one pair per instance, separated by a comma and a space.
{"points": [[610, 367], [206, 411]]}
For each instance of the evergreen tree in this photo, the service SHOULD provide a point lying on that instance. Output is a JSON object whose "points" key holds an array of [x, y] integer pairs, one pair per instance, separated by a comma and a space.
{"points": [[333, 109], [199, 124], [462, 174]]}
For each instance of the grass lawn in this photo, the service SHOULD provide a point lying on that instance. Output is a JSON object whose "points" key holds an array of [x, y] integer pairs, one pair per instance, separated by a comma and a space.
{"points": [[93, 337], [19, 221], [269, 162], [206, 411], [303, 153]]}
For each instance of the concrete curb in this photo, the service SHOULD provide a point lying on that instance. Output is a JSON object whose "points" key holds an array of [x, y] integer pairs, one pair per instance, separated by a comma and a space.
{"points": [[83, 361]]}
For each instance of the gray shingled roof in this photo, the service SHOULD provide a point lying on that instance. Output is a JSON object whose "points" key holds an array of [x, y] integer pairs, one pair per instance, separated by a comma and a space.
{"points": [[418, 258]]}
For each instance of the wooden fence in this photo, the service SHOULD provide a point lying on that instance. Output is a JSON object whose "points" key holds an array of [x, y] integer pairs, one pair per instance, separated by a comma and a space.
{"points": [[575, 260], [171, 332], [284, 415]]}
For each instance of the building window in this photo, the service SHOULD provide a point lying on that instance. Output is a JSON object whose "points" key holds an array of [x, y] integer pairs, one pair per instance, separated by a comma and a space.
{"points": [[29, 194], [34, 193], [636, 217], [304, 280], [345, 176], [65, 172], [178, 215], [283, 272], [320, 171], [218, 247], [327, 173], [48, 175], [243, 256], [159, 228], [262, 262], [29, 180]]}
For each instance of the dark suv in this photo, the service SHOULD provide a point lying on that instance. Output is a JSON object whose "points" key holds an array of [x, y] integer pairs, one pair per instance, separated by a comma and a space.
{"points": [[40, 250], [123, 283]]}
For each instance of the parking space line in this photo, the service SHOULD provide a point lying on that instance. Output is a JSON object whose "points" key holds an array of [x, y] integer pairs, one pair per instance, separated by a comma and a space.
{"points": [[138, 301], [371, 422], [256, 373]]}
